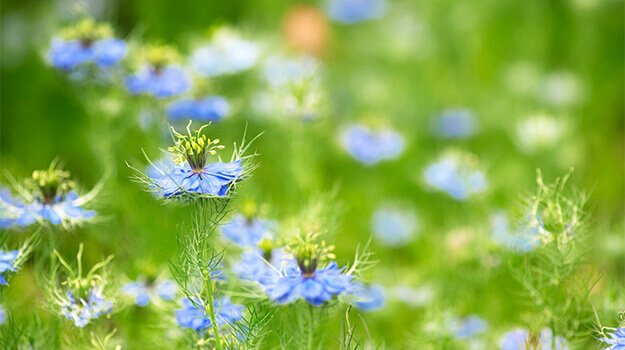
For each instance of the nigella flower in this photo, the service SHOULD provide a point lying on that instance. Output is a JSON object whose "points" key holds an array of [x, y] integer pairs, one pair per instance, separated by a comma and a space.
{"points": [[522, 339], [469, 327], [245, 231], [616, 340], [522, 240], [371, 146], [455, 124], [353, 11], [191, 174], [259, 266], [87, 42], [159, 77], [394, 226], [145, 290], [82, 309], [193, 314], [208, 109], [7, 260], [12, 210], [3, 315], [368, 298], [455, 175], [226, 54]]}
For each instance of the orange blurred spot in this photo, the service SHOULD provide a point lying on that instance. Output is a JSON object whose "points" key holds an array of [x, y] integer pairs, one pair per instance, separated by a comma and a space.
{"points": [[306, 29]]}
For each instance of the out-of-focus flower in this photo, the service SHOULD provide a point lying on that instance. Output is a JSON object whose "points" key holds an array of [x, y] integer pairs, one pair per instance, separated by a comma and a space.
{"points": [[246, 231], [207, 109], [522, 239], [159, 76], [455, 124], [257, 266], [145, 290], [412, 296], [193, 314], [468, 327], [394, 226], [227, 53], [456, 175], [81, 308], [522, 339], [306, 29], [3, 315], [86, 42], [368, 298], [616, 340], [539, 132], [191, 174], [561, 89], [12, 210], [371, 146], [7, 263], [354, 11]]}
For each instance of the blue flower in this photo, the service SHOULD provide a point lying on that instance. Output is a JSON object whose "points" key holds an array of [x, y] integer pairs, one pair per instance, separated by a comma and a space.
{"points": [[81, 311], [67, 54], [394, 226], [456, 179], [455, 124], [616, 340], [353, 11], [227, 54], [193, 314], [469, 326], [213, 179], [316, 287], [61, 208], [163, 82], [7, 263], [208, 109], [521, 240], [253, 266], [369, 147], [369, 298], [520, 339], [3, 315], [12, 211], [246, 232], [145, 290]]}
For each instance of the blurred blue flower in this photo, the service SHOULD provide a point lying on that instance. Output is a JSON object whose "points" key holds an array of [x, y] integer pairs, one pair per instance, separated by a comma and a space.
{"points": [[145, 290], [163, 82], [393, 226], [353, 11], [246, 232], [454, 178], [62, 208], [81, 311], [368, 298], [3, 315], [12, 211], [196, 317], [616, 340], [315, 288], [469, 327], [209, 109], [455, 124], [227, 54], [67, 54], [214, 179], [7, 263], [520, 339], [254, 267], [522, 240], [370, 147]]}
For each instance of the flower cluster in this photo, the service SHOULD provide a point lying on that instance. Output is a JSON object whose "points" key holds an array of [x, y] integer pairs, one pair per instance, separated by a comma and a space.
{"points": [[371, 146]]}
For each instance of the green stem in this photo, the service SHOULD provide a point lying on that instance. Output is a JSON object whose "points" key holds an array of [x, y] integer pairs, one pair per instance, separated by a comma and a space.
{"points": [[311, 313]]}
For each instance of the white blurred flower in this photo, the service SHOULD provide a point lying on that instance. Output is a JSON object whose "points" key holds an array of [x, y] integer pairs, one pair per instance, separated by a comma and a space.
{"points": [[227, 53], [539, 132], [561, 89]]}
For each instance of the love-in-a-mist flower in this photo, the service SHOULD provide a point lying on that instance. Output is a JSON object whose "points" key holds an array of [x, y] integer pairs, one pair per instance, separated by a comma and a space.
{"points": [[3, 315], [159, 76], [393, 225], [7, 263], [191, 174], [616, 340], [227, 53], [86, 42], [49, 196], [306, 280], [370, 146], [468, 326], [144, 290], [539, 132], [457, 175], [85, 304], [263, 263], [522, 339], [207, 109], [368, 298], [12, 210], [455, 124], [524, 238], [354, 11], [246, 230], [194, 314]]}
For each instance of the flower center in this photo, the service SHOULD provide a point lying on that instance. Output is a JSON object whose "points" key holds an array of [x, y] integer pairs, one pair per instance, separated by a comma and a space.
{"points": [[46, 185], [87, 31], [193, 148]]}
